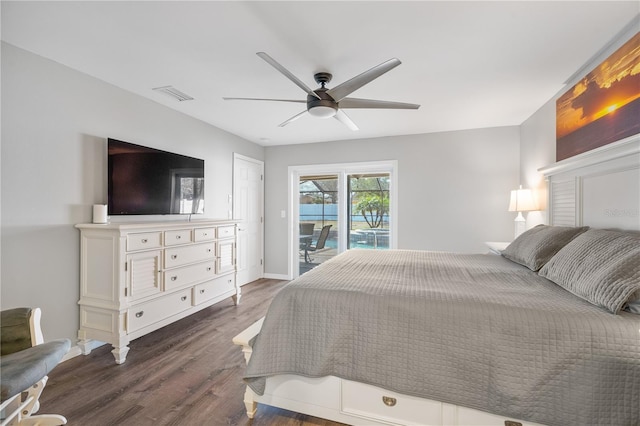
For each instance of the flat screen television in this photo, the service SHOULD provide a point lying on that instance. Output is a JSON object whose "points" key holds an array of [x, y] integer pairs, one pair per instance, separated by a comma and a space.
{"points": [[148, 181]]}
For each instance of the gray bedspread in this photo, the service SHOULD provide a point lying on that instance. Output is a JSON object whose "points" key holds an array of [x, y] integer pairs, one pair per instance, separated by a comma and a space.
{"points": [[473, 330]]}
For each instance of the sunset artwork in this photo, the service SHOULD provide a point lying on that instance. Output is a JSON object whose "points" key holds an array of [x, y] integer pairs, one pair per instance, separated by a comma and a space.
{"points": [[603, 107]]}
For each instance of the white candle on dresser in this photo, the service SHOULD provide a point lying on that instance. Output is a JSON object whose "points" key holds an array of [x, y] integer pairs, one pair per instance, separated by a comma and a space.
{"points": [[99, 213]]}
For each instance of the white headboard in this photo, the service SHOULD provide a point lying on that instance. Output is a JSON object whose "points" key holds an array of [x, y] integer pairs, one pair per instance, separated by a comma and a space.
{"points": [[599, 188]]}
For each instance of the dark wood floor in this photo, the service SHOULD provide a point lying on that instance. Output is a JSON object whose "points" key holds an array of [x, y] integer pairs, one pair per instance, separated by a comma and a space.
{"points": [[187, 373]]}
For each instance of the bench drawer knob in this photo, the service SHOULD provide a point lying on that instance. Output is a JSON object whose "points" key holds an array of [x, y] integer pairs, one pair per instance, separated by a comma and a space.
{"points": [[389, 401]]}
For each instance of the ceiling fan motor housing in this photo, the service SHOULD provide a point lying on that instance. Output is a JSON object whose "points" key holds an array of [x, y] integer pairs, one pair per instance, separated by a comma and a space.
{"points": [[325, 107]]}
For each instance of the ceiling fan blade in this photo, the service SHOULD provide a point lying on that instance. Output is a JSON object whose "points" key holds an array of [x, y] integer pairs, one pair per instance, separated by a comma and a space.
{"points": [[294, 118], [264, 99], [371, 103], [341, 91], [344, 119], [287, 74]]}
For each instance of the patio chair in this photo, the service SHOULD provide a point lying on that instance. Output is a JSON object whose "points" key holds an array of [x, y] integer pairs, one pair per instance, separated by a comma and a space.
{"points": [[322, 239], [25, 362], [306, 228]]}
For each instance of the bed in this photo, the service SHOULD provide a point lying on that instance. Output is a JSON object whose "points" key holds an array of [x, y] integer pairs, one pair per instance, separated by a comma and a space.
{"points": [[546, 333]]}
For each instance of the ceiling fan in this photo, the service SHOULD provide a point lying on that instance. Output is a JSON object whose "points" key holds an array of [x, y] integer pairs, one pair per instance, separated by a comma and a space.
{"points": [[327, 103]]}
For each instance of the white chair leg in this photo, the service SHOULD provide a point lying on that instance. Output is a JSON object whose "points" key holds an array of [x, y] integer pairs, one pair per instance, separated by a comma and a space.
{"points": [[22, 414], [43, 420], [33, 395], [10, 409]]}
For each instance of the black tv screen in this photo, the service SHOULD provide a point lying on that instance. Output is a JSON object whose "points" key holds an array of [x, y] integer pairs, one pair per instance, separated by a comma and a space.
{"points": [[148, 181]]}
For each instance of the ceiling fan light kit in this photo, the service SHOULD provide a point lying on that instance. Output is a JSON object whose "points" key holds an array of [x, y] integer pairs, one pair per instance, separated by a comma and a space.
{"points": [[327, 103], [323, 111], [320, 104]]}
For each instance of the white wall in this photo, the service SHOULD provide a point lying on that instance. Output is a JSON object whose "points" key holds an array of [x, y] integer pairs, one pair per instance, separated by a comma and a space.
{"points": [[538, 149], [55, 122], [453, 187]]}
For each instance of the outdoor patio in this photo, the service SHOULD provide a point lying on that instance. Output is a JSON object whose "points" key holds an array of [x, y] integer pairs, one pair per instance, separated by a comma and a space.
{"points": [[317, 259]]}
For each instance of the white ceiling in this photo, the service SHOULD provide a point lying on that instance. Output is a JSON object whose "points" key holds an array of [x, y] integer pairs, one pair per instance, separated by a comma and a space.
{"points": [[469, 64]]}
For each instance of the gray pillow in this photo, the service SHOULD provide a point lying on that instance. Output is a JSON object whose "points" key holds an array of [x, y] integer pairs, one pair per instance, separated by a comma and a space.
{"points": [[600, 266], [534, 248]]}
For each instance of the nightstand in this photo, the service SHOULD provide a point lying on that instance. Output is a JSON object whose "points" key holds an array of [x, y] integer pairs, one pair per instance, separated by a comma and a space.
{"points": [[496, 247]]}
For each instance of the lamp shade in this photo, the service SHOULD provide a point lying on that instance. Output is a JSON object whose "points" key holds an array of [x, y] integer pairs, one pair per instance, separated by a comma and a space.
{"points": [[521, 200]]}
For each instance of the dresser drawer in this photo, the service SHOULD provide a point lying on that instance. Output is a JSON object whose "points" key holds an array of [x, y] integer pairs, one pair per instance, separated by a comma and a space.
{"points": [[379, 404], [226, 231], [178, 256], [205, 234], [145, 314], [180, 236], [142, 241], [179, 277], [214, 288]]}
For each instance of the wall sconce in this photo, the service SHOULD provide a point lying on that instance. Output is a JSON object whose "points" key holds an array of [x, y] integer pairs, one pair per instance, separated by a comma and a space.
{"points": [[521, 201]]}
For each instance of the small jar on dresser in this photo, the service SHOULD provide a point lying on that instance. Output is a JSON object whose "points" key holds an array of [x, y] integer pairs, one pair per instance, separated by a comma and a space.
{"points": [[138, 277]]}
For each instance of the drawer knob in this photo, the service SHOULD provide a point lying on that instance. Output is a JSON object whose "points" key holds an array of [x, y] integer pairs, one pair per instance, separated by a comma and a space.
{"points": [[139, 314], [202, 291], [178, 237], [174, 256], [389, 401], [173, 278], [144, 241], [209, 269], [183, 298], [204, 234], [208, 250]]}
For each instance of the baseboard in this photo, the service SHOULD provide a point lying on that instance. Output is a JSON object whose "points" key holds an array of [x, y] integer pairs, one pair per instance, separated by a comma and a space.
{"points": [[75, 350], [277, 276]]}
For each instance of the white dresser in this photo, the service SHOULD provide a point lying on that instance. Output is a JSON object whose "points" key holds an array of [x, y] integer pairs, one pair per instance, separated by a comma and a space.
{"points": [[138, 277]]}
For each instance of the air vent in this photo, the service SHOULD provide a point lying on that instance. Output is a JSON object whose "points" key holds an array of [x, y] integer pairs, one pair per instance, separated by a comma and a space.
{"points": [[174, 93]]}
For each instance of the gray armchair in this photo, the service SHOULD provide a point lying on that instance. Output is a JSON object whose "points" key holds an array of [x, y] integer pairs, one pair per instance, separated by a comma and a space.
{"points": [[25, 362]]}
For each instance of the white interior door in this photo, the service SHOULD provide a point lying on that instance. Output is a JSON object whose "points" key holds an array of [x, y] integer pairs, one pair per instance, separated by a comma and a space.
{"points": [[248, 196]]}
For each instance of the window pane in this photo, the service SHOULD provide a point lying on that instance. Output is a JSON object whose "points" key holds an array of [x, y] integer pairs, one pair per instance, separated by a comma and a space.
{"points": [[369, 211], [318, 210]]}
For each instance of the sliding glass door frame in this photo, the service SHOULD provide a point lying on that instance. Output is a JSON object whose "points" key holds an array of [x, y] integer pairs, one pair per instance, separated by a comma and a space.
{"points": [[342, 171]]}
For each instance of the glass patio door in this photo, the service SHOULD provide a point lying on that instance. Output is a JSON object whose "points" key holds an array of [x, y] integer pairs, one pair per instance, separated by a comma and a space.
{"points": [[318, 219], [355, 203], [368, 216]]}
